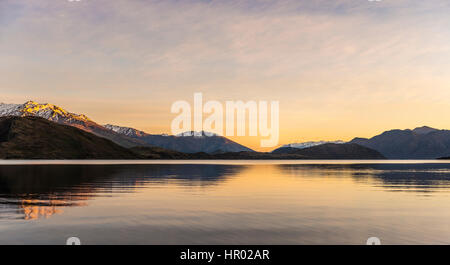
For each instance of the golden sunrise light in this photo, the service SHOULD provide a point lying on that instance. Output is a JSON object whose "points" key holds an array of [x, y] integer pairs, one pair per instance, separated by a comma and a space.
{"points": [[340, 69], [225, 131]]}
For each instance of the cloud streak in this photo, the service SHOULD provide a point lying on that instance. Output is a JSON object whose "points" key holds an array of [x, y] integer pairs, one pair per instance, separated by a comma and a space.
{"points": [[337, 54]]}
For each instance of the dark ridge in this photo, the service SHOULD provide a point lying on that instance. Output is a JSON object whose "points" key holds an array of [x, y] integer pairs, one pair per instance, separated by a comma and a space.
{"points": [[37, 138], [158, 153], [333, 151]]}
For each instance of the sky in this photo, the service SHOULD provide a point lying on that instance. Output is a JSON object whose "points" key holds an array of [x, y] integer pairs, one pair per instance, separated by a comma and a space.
{"points": [[339, 68]]}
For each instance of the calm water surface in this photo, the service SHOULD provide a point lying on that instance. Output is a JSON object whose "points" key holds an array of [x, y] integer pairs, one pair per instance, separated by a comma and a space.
{"points": [[225, 202]]}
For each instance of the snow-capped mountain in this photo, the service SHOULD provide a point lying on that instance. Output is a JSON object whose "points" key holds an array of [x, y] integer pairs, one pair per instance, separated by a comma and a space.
{"points": [[10, 109], [125, 130], [188, 142], [311, 144], [196, 134], [59, 115], [46, 111], [137, 133]]}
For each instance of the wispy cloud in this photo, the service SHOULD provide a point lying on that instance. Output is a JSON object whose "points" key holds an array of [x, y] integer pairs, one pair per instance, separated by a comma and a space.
{"points": [[334, 53]]}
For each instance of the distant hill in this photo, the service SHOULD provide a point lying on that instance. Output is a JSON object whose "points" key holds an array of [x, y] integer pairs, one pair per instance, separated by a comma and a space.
{"points": [[332, 151], [420, 143], [189, 142]]}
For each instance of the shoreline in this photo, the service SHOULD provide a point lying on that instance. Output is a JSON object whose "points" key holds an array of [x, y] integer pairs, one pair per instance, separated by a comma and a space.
{"points": [[215, 162]]}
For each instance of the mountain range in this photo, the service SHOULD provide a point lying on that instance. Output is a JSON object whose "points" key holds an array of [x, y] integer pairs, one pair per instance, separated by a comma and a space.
{"points": [[126, 137], [419, 143], [32, 137], [188, 142]]}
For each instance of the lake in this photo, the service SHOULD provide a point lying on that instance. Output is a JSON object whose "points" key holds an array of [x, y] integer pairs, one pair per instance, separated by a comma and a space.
{"points": [[225, 202]]}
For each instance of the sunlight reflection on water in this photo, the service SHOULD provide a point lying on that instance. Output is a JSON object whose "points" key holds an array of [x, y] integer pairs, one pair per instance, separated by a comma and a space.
{"points": [[225, 202]]}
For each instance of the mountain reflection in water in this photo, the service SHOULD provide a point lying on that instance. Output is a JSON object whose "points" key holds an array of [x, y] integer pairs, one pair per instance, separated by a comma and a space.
{"points": [[252, 203], [391, 177], [43, 190]]}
